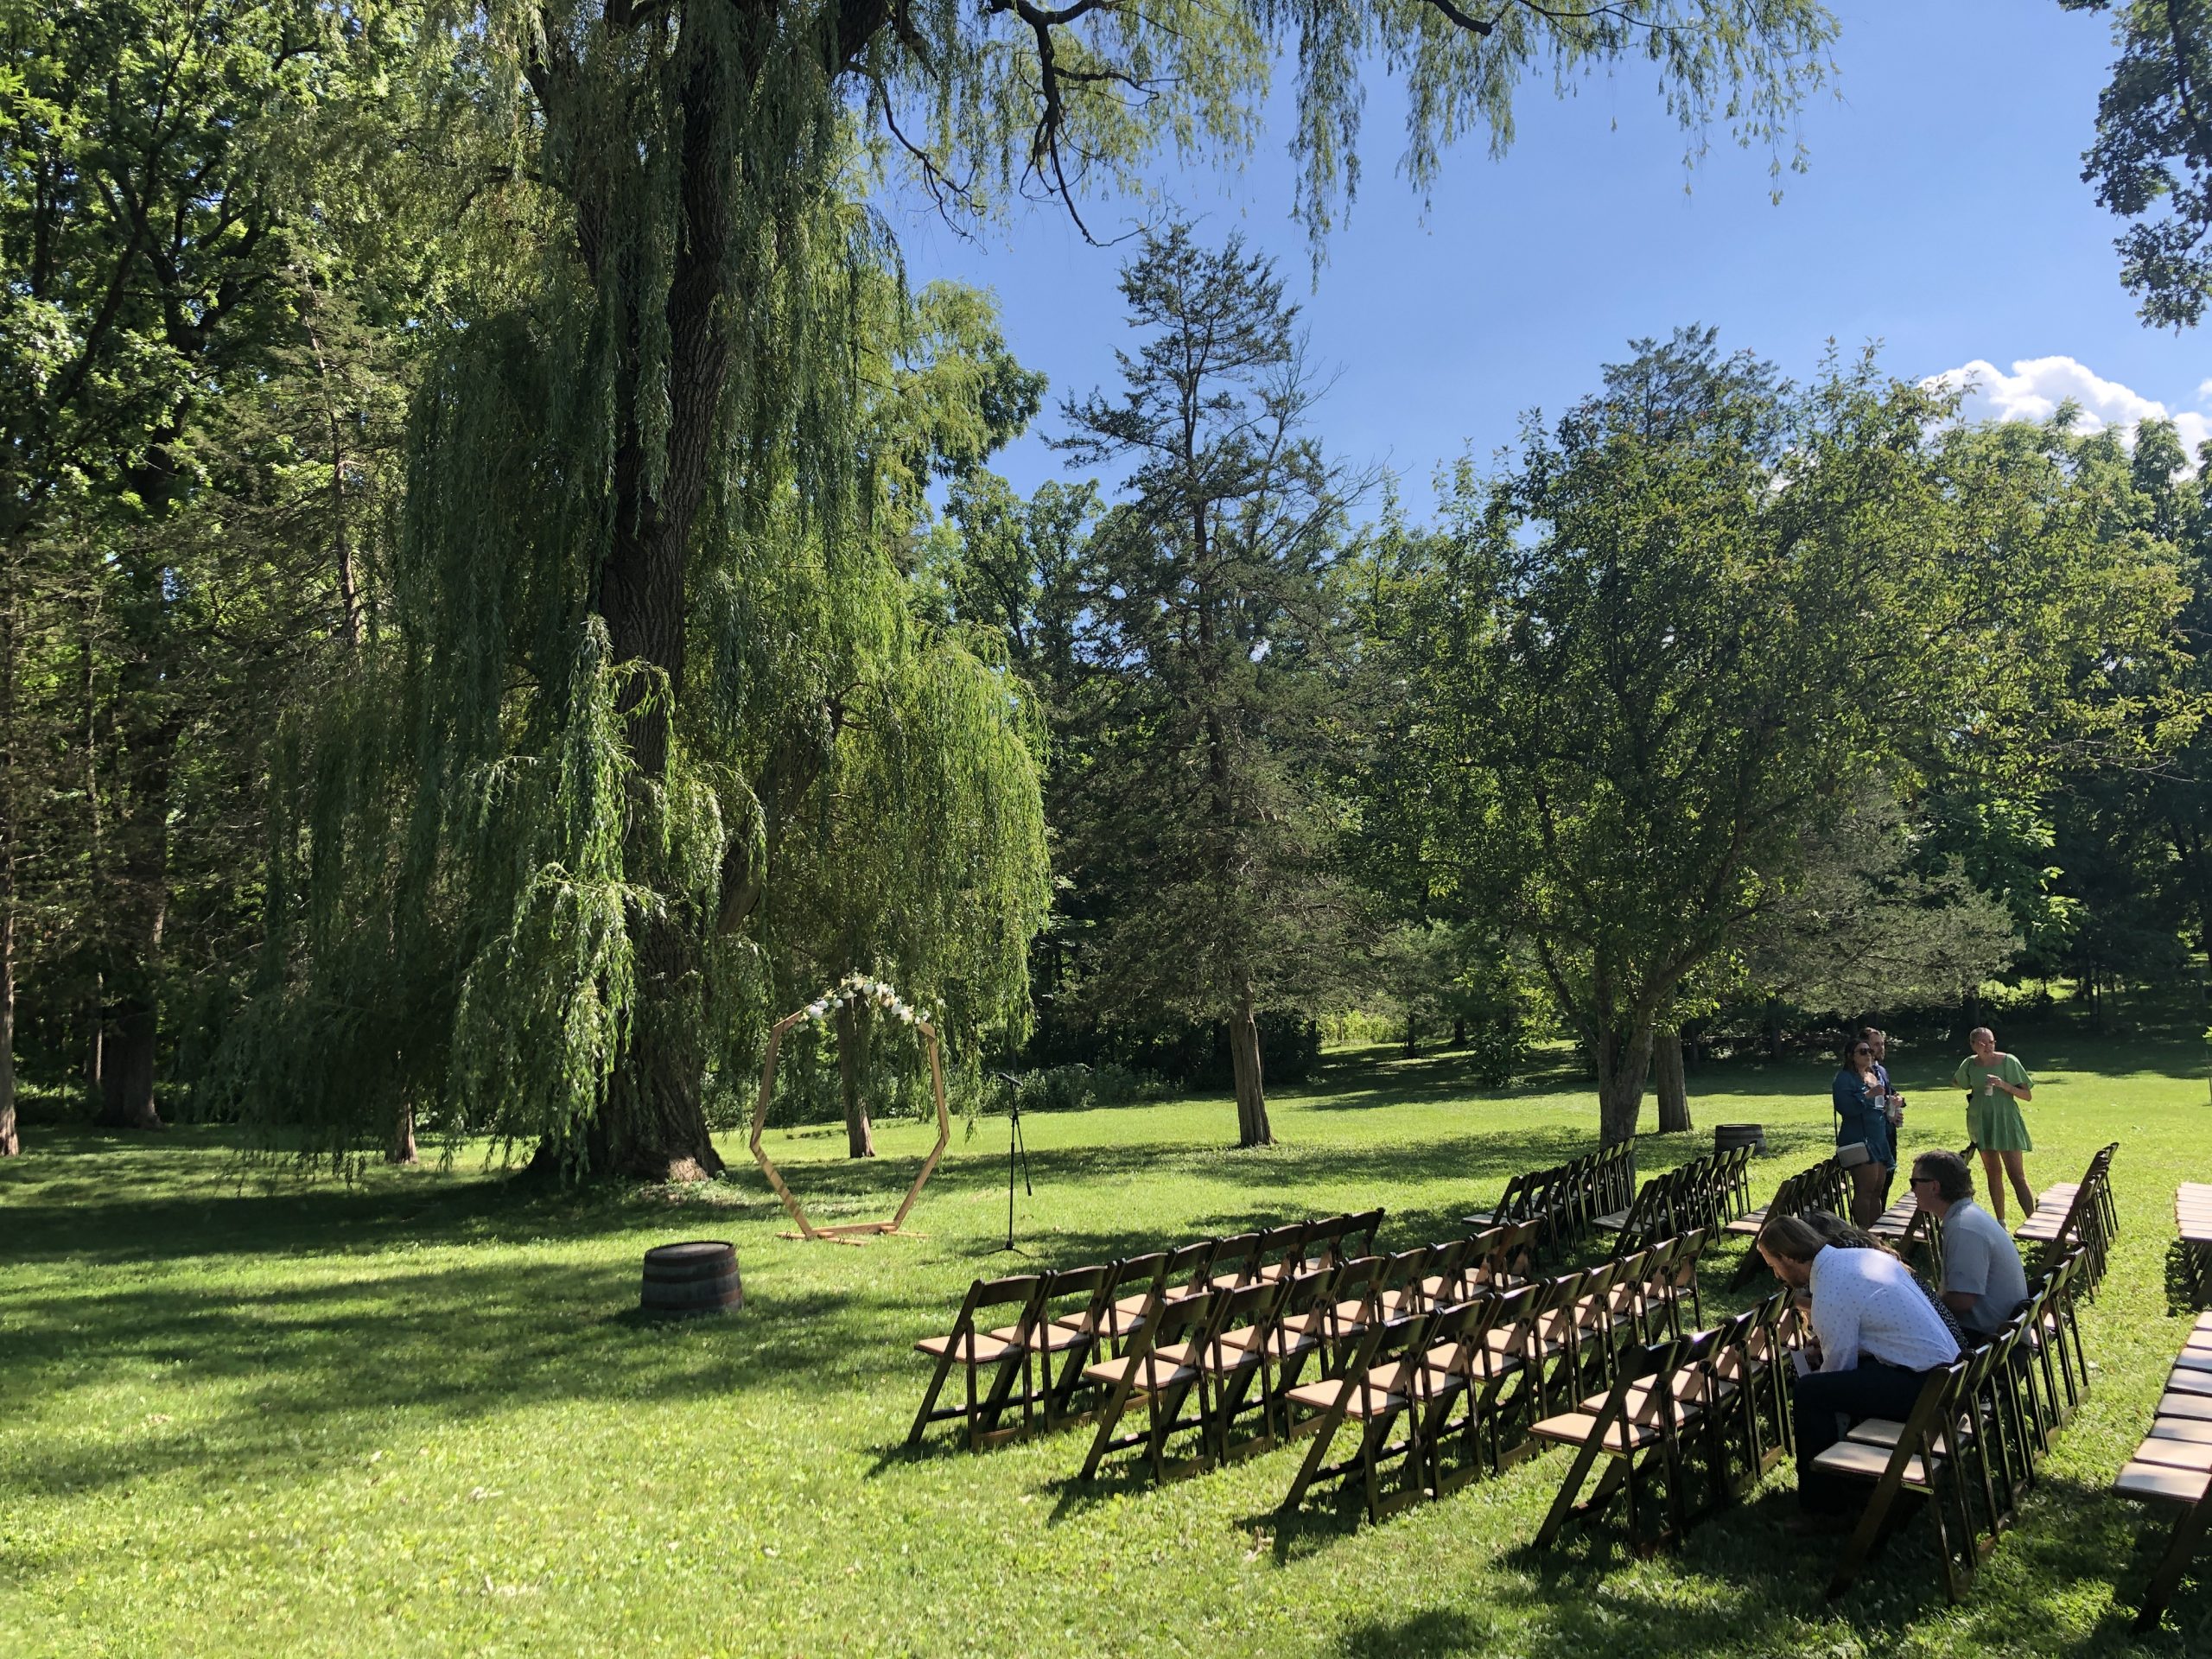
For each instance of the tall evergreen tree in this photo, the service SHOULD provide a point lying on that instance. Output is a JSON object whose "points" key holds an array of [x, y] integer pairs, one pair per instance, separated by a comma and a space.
{"points": [[1211, 621]]}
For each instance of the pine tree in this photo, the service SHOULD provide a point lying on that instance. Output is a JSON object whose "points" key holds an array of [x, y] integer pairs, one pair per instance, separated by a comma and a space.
{"points": [[1213, 631]]}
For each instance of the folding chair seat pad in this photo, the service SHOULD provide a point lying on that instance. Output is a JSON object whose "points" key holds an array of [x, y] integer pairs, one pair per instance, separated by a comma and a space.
{"points": [[1132, 1306], [976, 1349], [2180, 1428], [1114, 1326], [1866, 1462], [1691, 1399], [2157, 1481], [1749, 1222], [2194, 1359], [2192, 1405], [1162, 1367], [1323, 1396], [2174, 1454], [1613, 1221], [1053, 1338], [2182, 1382], [2204, 1324], [1885, 1432], [1579, 1427]]}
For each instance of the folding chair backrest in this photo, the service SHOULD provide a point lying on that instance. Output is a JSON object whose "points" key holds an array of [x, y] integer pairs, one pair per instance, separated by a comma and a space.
{"points": [[1281, 1250], [1081, 1293], [1358, 1238], [1513, 1315], [1187, 1267], [1024, 1290], [1461, 1328], [1190, 1319], [1236, 1261], [1253, 1307]]}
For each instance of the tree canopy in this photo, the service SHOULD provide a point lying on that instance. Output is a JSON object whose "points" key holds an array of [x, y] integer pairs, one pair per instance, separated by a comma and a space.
{"points": [[1700, 616]]}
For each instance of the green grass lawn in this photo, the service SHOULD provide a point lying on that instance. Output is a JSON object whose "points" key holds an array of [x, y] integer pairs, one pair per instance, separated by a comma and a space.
{"points": [[415, 1417]]}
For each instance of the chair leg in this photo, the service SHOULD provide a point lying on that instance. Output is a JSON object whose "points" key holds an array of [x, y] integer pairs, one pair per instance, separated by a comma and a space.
{"points": [[2179, 1551], [1869, 1529], [1569, 1489], [929, 1399]]}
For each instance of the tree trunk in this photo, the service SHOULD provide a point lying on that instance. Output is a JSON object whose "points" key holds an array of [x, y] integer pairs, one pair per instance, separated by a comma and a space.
{"points": [[95, 873], [10, 1140], [1624, 1062], [1413, 1037], [1460, 1032], [1673, 1084], [127, 1077], [653, 1121], [141, 906], [402, 1150], [852, 1072], [1774, 1027], [1252, 1129]]}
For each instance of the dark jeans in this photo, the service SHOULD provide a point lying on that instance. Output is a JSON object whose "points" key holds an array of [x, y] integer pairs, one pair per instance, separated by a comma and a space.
{"points": [[1828, 1404]]}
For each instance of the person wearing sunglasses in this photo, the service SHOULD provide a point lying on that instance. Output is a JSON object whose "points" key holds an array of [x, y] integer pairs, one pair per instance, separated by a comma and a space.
{"points": [[1860, 1096], [1984, 1280]]}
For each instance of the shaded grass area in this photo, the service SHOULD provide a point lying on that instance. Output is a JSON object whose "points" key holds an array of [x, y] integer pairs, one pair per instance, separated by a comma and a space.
{"points": [[418, 1416]]}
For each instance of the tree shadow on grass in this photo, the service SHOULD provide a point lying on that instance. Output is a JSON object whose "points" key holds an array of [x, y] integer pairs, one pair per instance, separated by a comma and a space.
{"points": [[332, 1361]]}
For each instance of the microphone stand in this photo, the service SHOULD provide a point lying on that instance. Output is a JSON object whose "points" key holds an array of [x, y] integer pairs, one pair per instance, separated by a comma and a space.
{"points": [[1014, 1140]]}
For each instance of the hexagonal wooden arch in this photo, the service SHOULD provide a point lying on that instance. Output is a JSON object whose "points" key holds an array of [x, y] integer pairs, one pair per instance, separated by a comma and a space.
{"points": [[857, 1232]]}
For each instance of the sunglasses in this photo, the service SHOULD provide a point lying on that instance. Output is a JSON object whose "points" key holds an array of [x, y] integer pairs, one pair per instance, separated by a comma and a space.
{"points": [[1862, 1049]]}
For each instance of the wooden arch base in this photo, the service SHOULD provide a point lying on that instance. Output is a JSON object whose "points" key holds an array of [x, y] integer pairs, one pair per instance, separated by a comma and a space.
{"points": [[856, 1233]]}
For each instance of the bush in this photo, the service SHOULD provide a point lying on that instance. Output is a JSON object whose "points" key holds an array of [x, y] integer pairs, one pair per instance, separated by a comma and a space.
{"points": [[1077, 1087]]}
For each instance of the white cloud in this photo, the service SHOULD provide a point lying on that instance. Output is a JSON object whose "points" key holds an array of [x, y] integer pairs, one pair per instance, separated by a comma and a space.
{"points": [[2037, 386]]}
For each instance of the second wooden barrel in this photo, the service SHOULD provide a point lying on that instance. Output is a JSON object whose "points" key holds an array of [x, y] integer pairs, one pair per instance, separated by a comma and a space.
{"points": [[1726, 1137], [697, 1277]]}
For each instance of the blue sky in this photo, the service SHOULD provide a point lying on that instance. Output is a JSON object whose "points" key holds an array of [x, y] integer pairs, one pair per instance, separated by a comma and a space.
{"points": [[1943, 214]]}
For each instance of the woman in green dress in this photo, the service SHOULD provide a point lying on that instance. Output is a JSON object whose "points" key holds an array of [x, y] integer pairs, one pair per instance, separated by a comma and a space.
{"points": [[1996, 1084]]}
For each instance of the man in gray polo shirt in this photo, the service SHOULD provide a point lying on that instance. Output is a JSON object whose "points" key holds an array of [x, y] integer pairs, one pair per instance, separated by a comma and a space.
{"points": [[1983, 1280]]}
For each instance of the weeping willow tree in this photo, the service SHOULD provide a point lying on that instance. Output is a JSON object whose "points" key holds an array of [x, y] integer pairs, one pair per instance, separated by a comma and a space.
{"points": [[651, 652]]}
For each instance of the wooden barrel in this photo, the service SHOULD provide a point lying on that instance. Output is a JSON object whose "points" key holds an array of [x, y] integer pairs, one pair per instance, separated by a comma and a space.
{"points": [[1726, 1137], [699, 1277]]}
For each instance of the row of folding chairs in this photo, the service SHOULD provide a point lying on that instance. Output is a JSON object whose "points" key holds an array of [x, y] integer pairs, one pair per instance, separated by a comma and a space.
{"points": [[1567, 1199], [1972, 1443], [2193, 1222], [2077, 1215], [1424, 1402], [1021, 1343], [1687, 1424], [1820, 1187], [1204, 1380], [2173, 1466], [1709, 1191]]}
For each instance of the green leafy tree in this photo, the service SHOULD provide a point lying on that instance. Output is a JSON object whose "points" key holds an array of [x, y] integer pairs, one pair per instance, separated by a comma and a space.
{"points": [[2151, 162], [160, 224], [1706, 613], [1861, 927], [642, 553]]}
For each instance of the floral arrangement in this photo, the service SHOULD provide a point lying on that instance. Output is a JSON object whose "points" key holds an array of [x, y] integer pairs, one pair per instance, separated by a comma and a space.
{"points": [[860, 989]]}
